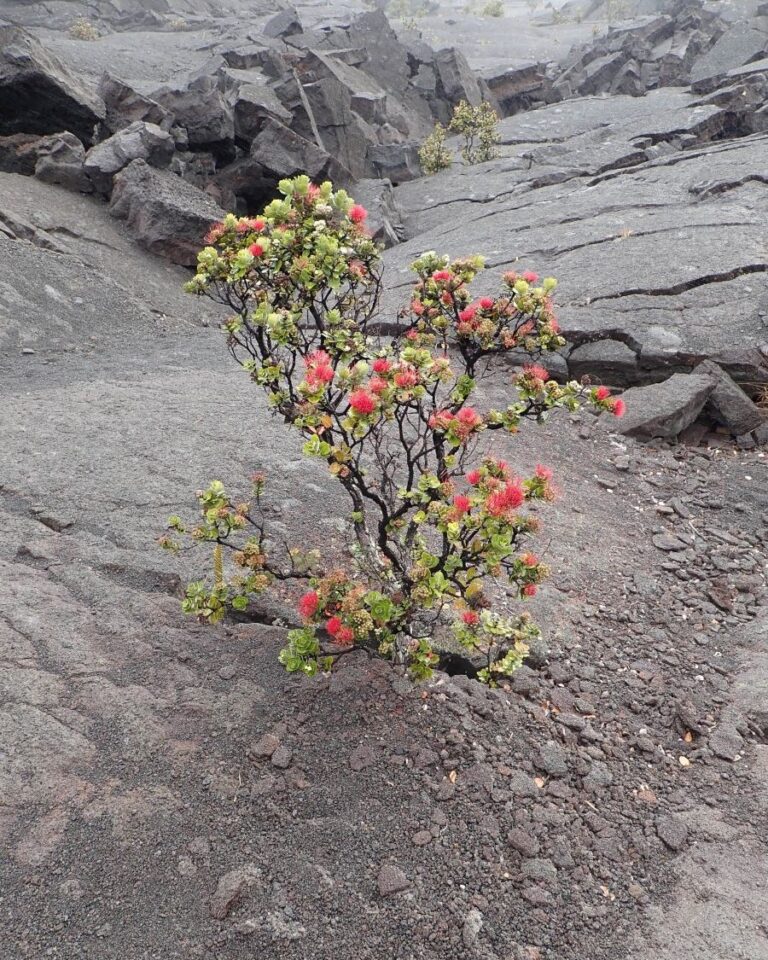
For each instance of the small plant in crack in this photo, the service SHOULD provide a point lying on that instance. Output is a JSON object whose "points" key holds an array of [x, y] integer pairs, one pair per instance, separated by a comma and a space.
{"points": [[436, 520]]}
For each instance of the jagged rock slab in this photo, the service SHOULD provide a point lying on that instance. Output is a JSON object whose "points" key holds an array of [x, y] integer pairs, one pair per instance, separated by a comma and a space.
{"points": [[665, 256], [664, 409], [38, 94], [166, 215], [728, 404]]}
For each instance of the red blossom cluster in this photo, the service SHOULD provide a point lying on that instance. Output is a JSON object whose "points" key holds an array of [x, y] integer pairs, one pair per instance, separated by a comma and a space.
{"points": [[319, 369], [461, 424]]}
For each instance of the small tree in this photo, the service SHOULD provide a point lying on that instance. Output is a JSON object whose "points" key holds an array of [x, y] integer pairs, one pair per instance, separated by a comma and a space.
{"points": [[479, 128], [434, 155], [436, 519]]}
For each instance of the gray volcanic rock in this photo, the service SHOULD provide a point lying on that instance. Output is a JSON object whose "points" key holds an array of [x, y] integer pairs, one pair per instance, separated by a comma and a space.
{"points": [[384, 216], [19, 153], [61, 161], [165, 214], [125, 106], [139, 141], [664, 409], [728, 404], [664, 256], [201, 105], [741, 44], [37, 92], [275, 152]]}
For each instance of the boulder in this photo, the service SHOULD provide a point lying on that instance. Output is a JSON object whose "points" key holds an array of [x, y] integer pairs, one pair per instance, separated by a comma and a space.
{"points": [[201, 105], [124, 106], [282, 153], [728, 404], [253, 104], [397, 162], [61, 160], [19, 153], [139, 141], [284, 24], [166, 215], [38, 94], [664, 409], [745, 41], [384, 216]]}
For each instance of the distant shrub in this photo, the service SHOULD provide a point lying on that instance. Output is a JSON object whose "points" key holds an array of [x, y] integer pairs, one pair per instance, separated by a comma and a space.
{"points": [[479, 128], [178, 24], [494, 8], [434, 155], [82, 29]]}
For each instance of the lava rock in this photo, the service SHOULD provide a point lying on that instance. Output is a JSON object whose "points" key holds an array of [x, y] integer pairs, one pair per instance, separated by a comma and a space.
{"points": [[61, 161], [392, 880], [165, 214], [124, 106], [728, 404], [38, 94], [664, 409], [231, 887], [672, 832], [138, 141]]}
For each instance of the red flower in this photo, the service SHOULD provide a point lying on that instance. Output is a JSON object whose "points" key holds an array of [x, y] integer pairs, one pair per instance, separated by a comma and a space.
{"points": [[214, 233], [320, 374], [470, 617], [486, 303], [468, 417], [442, 275], [308, 605], [618, 408], [257, 225], [536, 371], [377, 385], [345, 636], [440, 420], [333, 626], [381, 365], [529, 590], [467, 315], [362, 402], [406, 377], [543, 473], [256, 250], [503, 501], [358, 214], [473, 477], [462, 504], [319, 357], [602, 393], [446, 298], [530, 277], [530, 559], [412, 335], [418, 307]]}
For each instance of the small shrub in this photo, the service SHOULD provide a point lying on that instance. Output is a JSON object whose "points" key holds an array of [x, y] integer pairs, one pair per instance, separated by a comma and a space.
{"points": [[494, 8], [179, 24], [479, 128], [82, 29], [436, 519], [434, 155]]}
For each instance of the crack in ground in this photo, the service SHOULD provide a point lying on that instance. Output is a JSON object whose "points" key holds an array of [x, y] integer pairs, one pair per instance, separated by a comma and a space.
{"points": [[686, 285]]}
